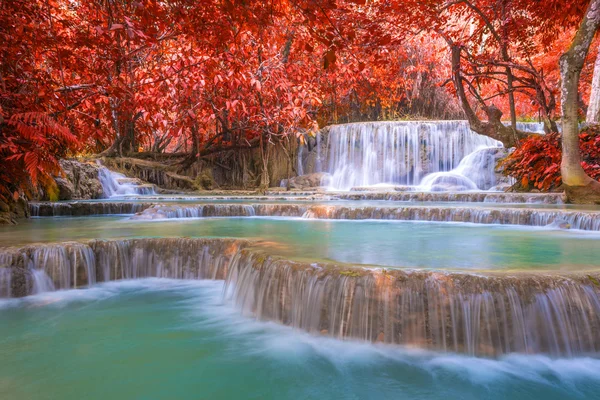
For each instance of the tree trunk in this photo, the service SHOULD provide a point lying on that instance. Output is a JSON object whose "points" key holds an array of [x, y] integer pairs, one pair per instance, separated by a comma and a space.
{"points": [[593, 111], [494, 127], [579, 187], [192, 157], [264, 157]]}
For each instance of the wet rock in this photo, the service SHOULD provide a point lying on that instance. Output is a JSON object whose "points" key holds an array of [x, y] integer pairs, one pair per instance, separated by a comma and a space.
{"points": [[205, 180], [21, 282], [79, 182], [76, 208], [131, 181], [65, 189], [304, 182]]}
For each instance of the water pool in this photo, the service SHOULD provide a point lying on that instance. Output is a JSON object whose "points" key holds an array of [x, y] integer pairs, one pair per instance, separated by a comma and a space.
{"points": [[165, 339], [386, 243]]}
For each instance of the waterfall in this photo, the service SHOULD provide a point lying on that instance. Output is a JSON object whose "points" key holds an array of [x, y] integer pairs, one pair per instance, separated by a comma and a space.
{"points": [[582, 220], [463, 197], [41, 282], [475, 171], [116, 184], [42, 268], [477, 314], [398, 153], [221, 210], [534, 127], [406, 153]]}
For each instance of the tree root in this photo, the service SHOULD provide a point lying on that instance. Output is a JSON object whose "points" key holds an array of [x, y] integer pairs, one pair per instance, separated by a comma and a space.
{"points": [[586, 194]]}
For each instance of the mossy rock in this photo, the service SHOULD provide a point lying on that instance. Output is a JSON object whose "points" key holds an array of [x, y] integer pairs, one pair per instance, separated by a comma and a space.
{"points": [[205, 181]]}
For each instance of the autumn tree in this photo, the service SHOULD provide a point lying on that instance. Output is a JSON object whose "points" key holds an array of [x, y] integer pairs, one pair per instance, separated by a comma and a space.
{"points": [[578, 185], [32, 132]]}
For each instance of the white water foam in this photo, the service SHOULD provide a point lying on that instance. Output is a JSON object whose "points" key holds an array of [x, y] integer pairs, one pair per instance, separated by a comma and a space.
{"points": [[428, 155], [115, 184], [203, 307]]}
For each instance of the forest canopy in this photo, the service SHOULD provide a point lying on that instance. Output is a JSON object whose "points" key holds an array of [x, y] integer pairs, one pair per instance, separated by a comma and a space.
{"points": [[119, 77]]}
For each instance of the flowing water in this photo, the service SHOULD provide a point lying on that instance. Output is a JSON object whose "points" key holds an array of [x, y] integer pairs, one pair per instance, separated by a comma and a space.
{"points": [[431, 155], [388, 243], [411, 294], [115, 184], [366, 154], [162, 339]]}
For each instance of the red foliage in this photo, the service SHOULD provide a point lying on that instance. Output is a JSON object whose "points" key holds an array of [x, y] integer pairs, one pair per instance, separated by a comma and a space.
{"points": [[536, 163], [205, 76]]}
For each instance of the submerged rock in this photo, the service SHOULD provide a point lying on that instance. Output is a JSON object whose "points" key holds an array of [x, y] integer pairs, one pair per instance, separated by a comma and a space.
{"points": [[83, 208]]}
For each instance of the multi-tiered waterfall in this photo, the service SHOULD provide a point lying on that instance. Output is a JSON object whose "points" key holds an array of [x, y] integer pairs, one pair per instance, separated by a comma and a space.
{"points": [[401, 153], [491, 314], [432, 155]]}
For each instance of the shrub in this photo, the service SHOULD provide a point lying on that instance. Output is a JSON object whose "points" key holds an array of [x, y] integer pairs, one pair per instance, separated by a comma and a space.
{"points": [[536, 162]]}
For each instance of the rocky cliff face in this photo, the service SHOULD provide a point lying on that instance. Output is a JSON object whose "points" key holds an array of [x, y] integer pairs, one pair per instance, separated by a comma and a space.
{"points": [[80, 181]]}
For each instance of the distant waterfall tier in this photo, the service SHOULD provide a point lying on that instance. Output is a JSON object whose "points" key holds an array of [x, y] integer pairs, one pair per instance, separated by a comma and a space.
{"points": [[402, 153], [462, 197], [480, 215], [83, 208], [489, 314]]}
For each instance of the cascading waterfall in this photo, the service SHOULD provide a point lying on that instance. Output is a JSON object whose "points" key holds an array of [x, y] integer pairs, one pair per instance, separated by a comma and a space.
{"points": [[398, 153], [116, 184], [582, 220], [505, 216], [475, 171], [482, 314], [221, 210], [479, 315], [434, 155], [42, 268]]}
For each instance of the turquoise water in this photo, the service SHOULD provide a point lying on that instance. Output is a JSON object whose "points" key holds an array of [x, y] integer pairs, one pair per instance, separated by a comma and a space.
{"points": [[386, 243], [163, 339]]}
